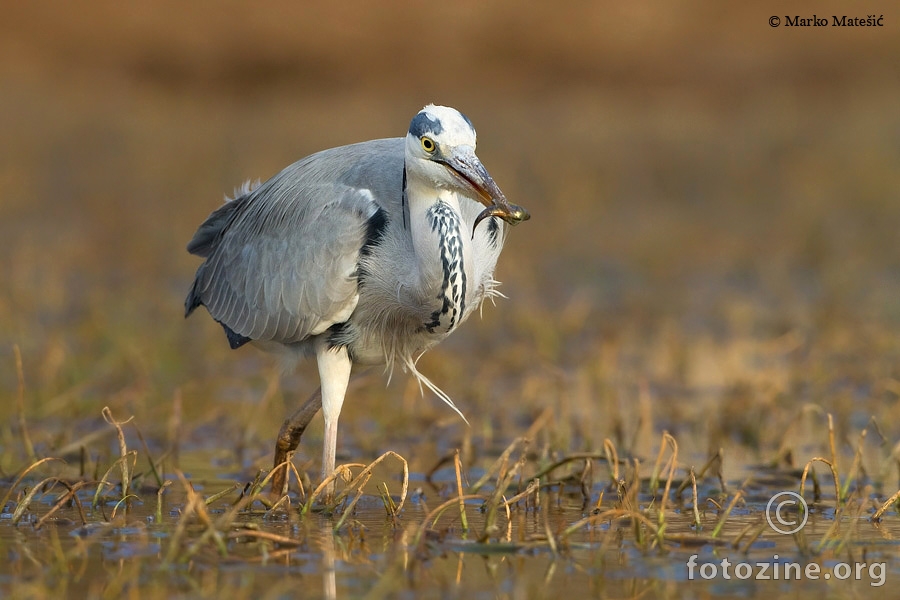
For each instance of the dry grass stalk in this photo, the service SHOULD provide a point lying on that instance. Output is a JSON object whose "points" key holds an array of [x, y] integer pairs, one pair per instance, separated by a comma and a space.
{"points": [[435, 514], [494, 501], [340, 472], [123, 448], [886, 506], [670, 467], [533, 488], [856, 466], [744, 531], [610, 515], [284, 501], [259, 484], [464, 522], [658, 465], [112, 516], [104, 481], [499, 464], [568, 458], [715, 458], [285, 466], [197, 506], [728, 509], [695, 500], [831, 445], [360, 483], [219, 495], [23, 504], [150, 460], [355, 484], [834, 475], [551, 540], [390, 506], [69, 495], [833, 538], [159, 495], [240, 534], [612, 460], [753, 537], [22, 476], [20, 405]]}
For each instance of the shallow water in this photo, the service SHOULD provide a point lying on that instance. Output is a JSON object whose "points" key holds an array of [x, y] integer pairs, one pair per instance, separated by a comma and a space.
{"points": [[373, 555]]}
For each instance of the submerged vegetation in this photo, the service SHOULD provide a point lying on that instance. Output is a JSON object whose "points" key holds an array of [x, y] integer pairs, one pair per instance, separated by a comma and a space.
{"points": [[581, 515]]}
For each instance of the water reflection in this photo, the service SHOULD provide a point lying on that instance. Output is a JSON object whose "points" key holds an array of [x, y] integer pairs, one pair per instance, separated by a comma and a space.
{"points": [[329, 583], [377, 556]]}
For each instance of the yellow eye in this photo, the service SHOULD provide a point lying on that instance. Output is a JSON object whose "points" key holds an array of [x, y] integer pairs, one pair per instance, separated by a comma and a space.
{"points": [[428, 145]]}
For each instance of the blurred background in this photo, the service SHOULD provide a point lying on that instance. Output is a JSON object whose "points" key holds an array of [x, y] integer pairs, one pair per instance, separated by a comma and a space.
{"points": [[712, 250]]}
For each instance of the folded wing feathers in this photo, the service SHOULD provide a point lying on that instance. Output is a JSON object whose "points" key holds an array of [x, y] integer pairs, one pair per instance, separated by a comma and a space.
{"points": [[280, 265]]}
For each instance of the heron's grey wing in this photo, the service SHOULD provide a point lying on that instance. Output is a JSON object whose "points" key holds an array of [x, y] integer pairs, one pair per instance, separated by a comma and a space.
{"points": [[282, 261]]}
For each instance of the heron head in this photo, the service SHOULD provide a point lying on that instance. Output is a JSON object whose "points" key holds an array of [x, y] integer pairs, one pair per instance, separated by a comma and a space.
{"points": [[440, 147]]}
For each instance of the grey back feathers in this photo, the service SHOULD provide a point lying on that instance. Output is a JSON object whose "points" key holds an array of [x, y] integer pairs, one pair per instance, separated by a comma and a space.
{"points": [[282, 259]]}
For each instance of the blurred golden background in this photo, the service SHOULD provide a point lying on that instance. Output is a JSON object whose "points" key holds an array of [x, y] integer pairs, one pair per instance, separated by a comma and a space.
{"points": [[713, 243]]}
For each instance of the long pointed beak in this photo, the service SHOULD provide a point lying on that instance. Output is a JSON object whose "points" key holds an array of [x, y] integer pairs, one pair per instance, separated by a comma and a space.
{"points": [[468, 168]]}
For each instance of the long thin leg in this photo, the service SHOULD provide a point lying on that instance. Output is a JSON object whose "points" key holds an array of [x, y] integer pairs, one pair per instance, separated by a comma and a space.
{"points": [[334, 373], [293, 429]]}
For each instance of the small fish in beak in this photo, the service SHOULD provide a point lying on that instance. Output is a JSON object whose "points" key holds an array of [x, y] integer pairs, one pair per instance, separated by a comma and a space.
{"points": [[468, 168]]}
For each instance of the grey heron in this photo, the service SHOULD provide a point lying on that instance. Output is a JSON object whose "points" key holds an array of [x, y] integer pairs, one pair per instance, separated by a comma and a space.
{"points": [[366, 254]]}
